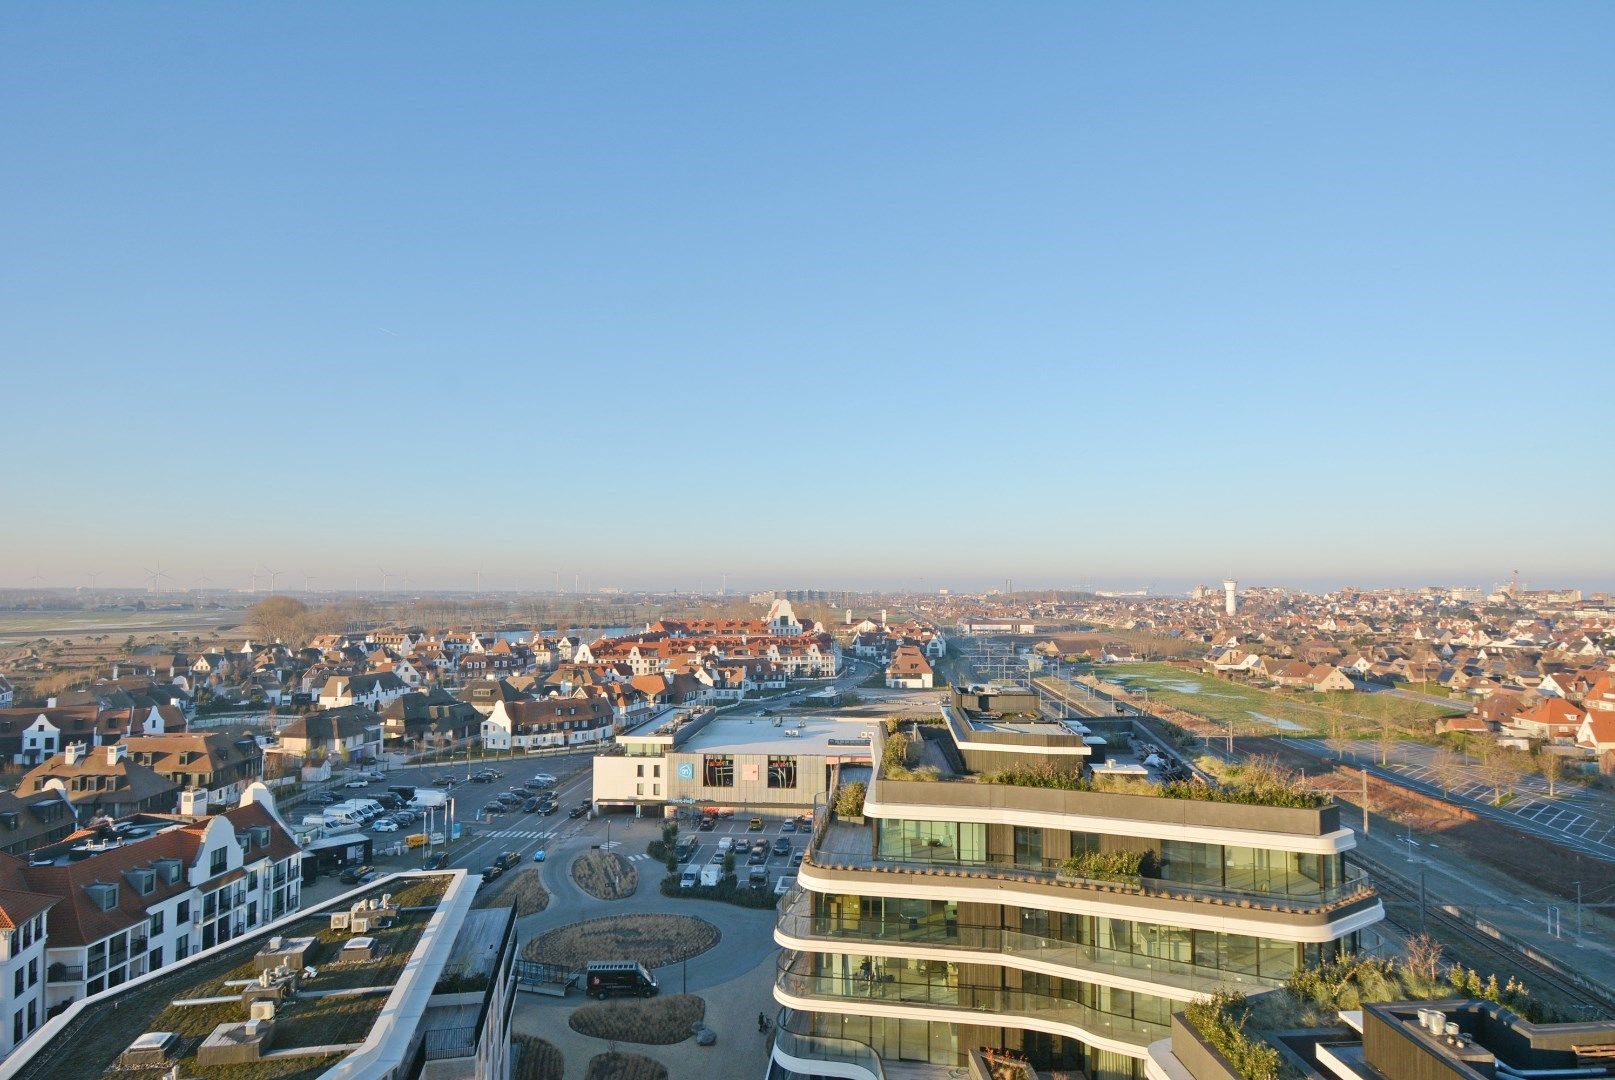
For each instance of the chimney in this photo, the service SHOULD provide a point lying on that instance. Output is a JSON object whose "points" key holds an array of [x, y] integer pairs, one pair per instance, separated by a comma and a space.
{"points": [[116, 752], [73, 753], [193, 802], [883, 617]]}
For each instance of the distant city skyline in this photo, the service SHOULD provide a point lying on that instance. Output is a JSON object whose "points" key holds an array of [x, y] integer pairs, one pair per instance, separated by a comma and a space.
{"points": [[652, 293]]}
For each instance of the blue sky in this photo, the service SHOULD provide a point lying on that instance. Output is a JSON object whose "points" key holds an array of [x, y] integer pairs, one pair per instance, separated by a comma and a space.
{"points": [[824, 294]]}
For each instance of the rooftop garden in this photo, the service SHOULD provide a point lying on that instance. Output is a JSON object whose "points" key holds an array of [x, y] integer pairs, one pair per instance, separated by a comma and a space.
{"points": [[1314, 997], [1256, 783], [92, 1042]]}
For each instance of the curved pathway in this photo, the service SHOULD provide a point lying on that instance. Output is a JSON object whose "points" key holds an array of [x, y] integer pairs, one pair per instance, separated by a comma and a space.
{"points": [[735, 976]]}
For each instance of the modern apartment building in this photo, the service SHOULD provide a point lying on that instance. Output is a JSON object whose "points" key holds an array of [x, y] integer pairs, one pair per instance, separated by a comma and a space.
{"points": [[1048, 889]]}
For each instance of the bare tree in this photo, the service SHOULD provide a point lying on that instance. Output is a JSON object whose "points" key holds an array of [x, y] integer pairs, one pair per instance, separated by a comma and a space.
{"points": [[1552, 768], [1447, 767], [1387, 742], [1423, 957]]}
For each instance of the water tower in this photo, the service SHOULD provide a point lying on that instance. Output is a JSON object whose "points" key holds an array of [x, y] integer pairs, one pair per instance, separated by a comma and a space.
{"points": [[1230, 597]]}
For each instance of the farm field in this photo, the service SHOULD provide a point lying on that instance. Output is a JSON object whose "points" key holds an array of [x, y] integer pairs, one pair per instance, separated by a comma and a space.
{"points": [[1275, 712], [17, 627]]}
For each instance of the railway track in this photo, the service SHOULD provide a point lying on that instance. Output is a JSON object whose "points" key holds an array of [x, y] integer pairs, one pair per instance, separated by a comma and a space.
{"points": [[1547, 980]]}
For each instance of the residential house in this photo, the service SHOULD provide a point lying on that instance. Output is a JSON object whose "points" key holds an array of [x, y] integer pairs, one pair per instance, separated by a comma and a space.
{"points": [[1551, 720], [909, 670], [221, 765], [34, 819], [102, 782], [374, 691], [554, 721], [350, 733]]}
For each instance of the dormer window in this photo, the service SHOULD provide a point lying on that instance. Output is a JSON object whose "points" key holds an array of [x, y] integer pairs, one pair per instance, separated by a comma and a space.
{"points": [[168, 870], [142, 879], [103, 895]]}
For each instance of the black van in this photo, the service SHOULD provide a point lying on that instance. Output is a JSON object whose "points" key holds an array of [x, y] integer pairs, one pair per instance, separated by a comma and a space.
{"points": [[606, 978], [403, 791]]}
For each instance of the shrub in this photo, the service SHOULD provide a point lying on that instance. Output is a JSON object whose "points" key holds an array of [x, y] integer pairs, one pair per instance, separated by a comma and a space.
{"points": [[605, 875], [850, 798], [659, 1021], [535, 1059], [1104, 865], [1220, 1020], [728, 890], [616, 1065], [522, 889], [894, 755]]}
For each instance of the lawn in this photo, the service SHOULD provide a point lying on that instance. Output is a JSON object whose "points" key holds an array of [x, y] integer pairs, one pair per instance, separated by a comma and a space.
{"points": [[1256, 711], [605, 875], [653, 940], [656, 1022]]}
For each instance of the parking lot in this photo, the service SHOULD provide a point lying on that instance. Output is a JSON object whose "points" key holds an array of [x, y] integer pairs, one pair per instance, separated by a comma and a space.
{"points": [[1577, 816]]}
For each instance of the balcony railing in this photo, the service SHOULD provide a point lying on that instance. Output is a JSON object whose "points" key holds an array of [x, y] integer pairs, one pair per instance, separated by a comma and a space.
{"points": [[1291, 894], [61, 973], [850, 990], [796, 920], [810, 1047], [455, 1042]]}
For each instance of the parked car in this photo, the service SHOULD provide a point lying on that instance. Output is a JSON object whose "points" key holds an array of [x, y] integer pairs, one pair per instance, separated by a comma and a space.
{"points": [[687, 880], [782, 846], [436, 861], [509, 859], [490, 873], [540, 855], [788, 825], [796, 859], [529, 806], [577, 812], [357, 784], [759, 847], [708, 823], [490, 810], [444, 781], [548, 808], [544, 778], [384, 825], [755, 825], [356, 875]]}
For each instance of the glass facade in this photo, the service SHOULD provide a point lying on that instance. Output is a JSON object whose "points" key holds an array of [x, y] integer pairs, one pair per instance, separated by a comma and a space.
{"points": [[1258, 871], [1056, 937]]}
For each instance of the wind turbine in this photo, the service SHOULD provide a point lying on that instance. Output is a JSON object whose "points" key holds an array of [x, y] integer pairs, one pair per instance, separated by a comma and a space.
{"points": [[92, 575], [274, 576], [200, 584], [384, 576], [155, 577], [557, 575]]}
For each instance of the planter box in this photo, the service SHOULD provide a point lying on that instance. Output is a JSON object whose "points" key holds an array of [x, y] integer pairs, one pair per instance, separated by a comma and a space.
{"points": [[1197, 1055]]}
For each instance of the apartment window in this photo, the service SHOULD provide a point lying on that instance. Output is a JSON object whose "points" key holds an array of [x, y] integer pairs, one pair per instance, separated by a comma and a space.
{"points": [[656, 770], [218, 861], [16, 1027], [639, 789], [718, 770], [182, 913], [641, 771], [782, 772], [1028, 847], [18, 983], [33, 972], [156, 923]]}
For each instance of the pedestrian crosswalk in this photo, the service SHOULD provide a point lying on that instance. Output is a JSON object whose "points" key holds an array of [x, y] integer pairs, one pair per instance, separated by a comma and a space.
{"points": [[523, 834], [638, 858]]}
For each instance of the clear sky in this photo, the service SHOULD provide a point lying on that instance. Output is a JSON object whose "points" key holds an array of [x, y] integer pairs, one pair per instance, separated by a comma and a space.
{"points": [[813, 294]]}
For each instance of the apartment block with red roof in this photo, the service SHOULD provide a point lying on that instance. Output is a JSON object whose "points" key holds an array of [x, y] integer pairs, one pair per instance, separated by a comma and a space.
{"points": [[136, 895]]}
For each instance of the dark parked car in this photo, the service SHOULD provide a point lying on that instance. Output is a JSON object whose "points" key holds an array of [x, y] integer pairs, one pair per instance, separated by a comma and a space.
{"points": [[708, 823], [782, 846], [508, 859], [577, 812], [529, 806], [492, 873], [757, 858], [356, 875], [444, 781], [436, 861], [548, 808]]}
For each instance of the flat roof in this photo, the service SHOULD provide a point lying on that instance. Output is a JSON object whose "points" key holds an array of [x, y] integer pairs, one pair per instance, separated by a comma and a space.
{"points": [[769, 735]]}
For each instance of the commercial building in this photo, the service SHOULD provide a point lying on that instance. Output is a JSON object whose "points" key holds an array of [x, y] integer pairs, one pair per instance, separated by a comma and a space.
{"points": [[755, 763], [976, 902], [418, 985]]}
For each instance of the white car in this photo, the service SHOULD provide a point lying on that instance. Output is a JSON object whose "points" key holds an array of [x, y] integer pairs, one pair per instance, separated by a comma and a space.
{"points": [[357, 783], [544, 778], [384, 826]]}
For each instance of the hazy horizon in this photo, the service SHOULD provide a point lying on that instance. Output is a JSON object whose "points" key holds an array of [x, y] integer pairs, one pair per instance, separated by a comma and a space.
{"points": [[650, 294]]}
